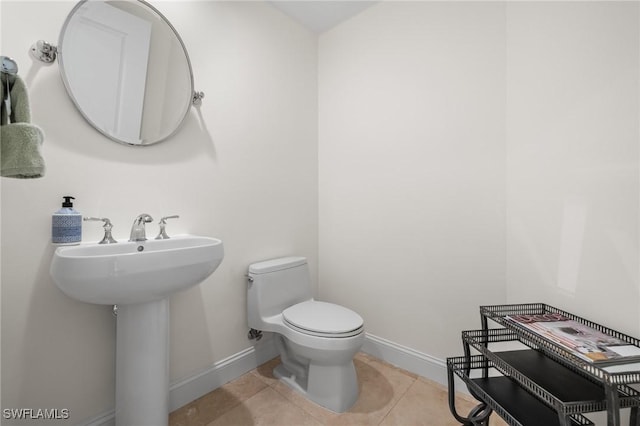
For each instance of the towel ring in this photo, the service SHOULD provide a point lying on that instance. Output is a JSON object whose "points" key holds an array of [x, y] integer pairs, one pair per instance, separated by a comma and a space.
{"points": [[8, 65]]}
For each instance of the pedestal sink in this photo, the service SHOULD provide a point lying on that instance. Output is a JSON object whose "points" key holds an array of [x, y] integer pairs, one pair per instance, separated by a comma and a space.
{"points": [[139, 277]]}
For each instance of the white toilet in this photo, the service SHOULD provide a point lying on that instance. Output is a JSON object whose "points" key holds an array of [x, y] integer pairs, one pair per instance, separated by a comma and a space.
{"points": [[316, 340]]}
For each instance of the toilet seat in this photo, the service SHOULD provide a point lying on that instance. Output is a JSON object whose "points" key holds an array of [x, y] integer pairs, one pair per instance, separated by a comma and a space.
{"points": [[323, 319]]}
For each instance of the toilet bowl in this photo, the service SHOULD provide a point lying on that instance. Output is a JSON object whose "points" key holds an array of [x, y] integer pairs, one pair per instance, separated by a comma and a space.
{"points": [[316, 340]]}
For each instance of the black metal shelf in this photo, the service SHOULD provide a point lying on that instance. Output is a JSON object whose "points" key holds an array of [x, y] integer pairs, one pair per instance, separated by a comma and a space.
{"points": [[559, 381], [506, 397], [561, 385], [498, 314]]}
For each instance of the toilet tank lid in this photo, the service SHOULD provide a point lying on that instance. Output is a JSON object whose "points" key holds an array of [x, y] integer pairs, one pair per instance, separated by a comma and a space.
{"points": [[276, 264]]}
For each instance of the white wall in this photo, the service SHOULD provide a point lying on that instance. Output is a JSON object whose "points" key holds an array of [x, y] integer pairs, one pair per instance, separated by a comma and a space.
{"points": [[246, 172], [469, 153], [573, 122], [479, 152], [573, 86], [412, 170]]}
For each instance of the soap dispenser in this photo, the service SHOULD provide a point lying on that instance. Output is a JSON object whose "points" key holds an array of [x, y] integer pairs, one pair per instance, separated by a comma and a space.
{"points": [[66, 224]]}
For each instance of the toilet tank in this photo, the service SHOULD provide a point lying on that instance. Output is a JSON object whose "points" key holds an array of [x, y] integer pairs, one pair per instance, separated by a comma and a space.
{"points": [[275, 285]]}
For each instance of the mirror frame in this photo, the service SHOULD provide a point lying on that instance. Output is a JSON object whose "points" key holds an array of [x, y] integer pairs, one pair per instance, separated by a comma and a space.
{"points": [[63, 74]]}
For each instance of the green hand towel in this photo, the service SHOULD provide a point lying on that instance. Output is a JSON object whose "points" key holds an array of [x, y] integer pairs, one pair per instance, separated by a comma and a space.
{"points": [[20, 109], [3, 89], [20, 155], [20, 141]]}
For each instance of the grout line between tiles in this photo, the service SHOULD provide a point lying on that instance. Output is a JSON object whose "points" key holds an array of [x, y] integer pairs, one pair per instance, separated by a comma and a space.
{"points": [[304, 405], [399, 399]]}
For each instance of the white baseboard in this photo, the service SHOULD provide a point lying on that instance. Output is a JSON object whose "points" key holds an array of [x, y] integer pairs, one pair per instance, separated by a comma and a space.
{"points": [[419, 363], [406, 358], [221, 372], [184, 391]]}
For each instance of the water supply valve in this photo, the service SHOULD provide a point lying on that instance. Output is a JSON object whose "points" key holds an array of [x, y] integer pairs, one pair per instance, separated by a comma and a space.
{"points": [[254, 334]]}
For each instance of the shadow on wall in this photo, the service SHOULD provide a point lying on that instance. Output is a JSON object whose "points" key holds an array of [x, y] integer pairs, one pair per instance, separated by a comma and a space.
{"points": [[189, 334], [57, 315]]}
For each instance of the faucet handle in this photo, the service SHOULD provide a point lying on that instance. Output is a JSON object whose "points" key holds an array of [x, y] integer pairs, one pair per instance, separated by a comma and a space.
{"points": [[107, 239], [143, 218], [163, 223]]}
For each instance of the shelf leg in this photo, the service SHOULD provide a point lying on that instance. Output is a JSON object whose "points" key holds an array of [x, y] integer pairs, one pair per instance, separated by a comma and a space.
{"points": [[467, 356], [485, 329], [613, 404], [467, 369], [565, 419], [634, 418], [479, 415], [452, 397]]}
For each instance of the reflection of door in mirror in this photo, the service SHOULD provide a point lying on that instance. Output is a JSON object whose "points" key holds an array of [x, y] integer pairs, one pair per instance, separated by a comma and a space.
{"points": [[111, 82], [126, 70]]}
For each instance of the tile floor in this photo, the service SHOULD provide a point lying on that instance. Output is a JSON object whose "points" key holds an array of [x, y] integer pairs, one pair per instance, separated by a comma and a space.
{"points": [[389, 396]]}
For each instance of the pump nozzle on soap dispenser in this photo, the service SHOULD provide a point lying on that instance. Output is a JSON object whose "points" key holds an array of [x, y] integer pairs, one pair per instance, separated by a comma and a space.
{"points": [[67, 201]]}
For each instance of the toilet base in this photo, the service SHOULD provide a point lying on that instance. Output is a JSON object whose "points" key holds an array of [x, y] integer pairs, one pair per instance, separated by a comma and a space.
{"points": [[334, 387]]}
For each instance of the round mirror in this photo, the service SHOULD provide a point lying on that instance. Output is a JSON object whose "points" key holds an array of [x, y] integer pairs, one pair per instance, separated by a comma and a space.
{"points": [[126, 70]]}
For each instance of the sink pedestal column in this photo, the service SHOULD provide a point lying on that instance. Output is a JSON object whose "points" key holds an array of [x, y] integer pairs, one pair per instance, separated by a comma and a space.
{"points": [[142, 364]]}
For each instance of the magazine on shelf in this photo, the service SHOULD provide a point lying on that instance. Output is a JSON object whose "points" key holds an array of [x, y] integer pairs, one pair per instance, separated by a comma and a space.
{"points": [[583, 341]]}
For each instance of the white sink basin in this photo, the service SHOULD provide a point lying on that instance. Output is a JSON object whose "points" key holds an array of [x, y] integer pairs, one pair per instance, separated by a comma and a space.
{"points": [[139, 277], [134, 272]]}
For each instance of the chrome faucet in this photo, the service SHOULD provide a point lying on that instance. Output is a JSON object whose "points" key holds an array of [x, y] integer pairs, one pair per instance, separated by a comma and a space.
{"points": [[137, 229]]}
